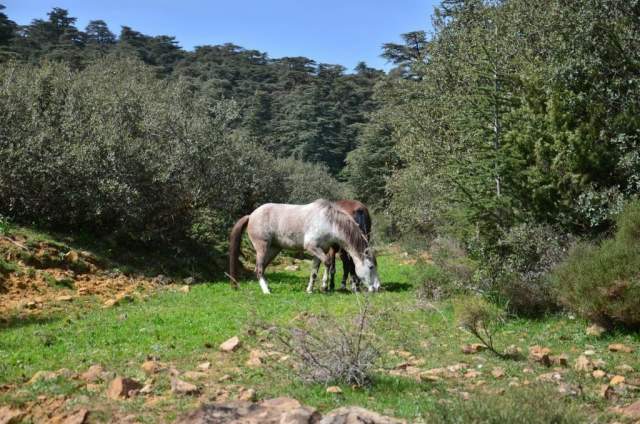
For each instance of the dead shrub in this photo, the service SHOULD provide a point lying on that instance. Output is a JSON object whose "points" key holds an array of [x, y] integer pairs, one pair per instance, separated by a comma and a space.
{"points": [[328, 349]]}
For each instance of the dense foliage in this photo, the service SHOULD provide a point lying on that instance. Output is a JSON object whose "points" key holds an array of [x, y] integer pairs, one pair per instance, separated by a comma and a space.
{"points": [[603, 282]]}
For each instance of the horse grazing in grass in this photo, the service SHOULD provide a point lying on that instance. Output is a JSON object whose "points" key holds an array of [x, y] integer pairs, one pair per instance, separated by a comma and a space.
{"points": [[314, 227], [360, 213]]}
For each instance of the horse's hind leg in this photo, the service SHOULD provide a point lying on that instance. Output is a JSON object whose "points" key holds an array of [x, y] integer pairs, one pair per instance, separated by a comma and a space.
{"points": [[314, 273], [346, 268], [330, 271], [264, 256]]}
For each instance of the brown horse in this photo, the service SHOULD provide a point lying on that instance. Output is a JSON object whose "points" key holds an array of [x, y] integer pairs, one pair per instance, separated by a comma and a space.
{"points": [[314, 227], [360, 213]]}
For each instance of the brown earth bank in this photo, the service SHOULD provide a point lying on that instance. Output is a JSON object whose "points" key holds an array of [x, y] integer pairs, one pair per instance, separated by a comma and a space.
{"points": [[38, 276]]}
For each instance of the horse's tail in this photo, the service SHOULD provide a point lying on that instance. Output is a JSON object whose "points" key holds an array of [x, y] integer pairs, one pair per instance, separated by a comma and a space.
{"points": [[234, 247]]}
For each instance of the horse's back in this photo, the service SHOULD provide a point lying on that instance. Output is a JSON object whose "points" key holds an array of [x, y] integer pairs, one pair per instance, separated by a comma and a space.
{"points": [[282, 224]]}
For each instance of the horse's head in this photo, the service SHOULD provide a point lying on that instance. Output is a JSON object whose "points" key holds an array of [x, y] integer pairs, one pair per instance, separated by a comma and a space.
{"points": [[367, 270]]}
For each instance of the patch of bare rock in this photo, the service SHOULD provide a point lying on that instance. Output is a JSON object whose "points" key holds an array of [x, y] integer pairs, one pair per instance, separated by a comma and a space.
{"points": [[279, 411]]}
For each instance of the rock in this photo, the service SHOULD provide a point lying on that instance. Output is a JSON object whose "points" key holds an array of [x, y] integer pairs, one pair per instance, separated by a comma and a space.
{"points": [[189, 281], [11, 416], [472, 374], [550, 377], [355, 415], [456, 367], [204, 366], [619, 347], [513, 351], [589, 352], [292, 268], [272, 411], [255, 358], [122, 388], [595, 330], [109, 303], [334, 389], [472, 348], [599, 374], [540, 354], [185, 289], [93, 374], [498, 372], [583, 364], [162, 280], [77, 417], [152, 367], [569, 389], [599, 364], [247, 395], [224, 378], [560, 360], [230, 345], [42, 376], [147, 389], [194, 375], [616, 380], [182, 387], [606, 391], [624, 368], [631, 411], [65, 298], [71, 257]]}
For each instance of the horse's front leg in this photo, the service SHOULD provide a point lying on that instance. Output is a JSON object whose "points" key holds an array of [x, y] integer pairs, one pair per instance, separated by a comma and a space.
{"points": [[314, 273], [329, 271]]}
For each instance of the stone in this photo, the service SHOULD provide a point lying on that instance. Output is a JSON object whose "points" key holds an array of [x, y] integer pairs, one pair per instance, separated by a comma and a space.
{"points": [[583, 364], [616, 380], [271, 411], [247, 395], [334, 389], [599, 364], [472, 374], [152, 367], [472, 348], [619, 347], [292, 268], [42, 376], [255, 358], [194, 375], [147, 389], [182, 387], [93, 374], [595, 330], [550, 377], [11, 416], [540, 354], [599, 374], [204, 366], [122, 388], [185, 289], [71, 257], [606, 391], [189, 281], [631, 411], [560, 360], [624, 368], [64, 298], [356, 414], [76, 417], [230, 345], [498, 372]]}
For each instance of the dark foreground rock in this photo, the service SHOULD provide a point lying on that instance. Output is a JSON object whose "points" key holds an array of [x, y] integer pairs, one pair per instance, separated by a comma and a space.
{"points": [[278, 411]]}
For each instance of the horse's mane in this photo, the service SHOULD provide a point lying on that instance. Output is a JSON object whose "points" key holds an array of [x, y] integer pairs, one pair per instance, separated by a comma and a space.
{"points": [[347, 226]]}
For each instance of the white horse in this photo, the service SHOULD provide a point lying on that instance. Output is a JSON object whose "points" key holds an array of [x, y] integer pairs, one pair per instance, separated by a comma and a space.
{"points": [[314, 227]]}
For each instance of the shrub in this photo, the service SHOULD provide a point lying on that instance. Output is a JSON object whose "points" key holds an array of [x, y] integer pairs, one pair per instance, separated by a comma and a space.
{"points": [[516, 269], [481, 319], [328, 349], [602, 283]]}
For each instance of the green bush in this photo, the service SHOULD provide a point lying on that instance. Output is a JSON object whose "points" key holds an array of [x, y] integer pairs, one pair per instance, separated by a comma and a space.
{"points": [[602, 283], [516, 269], [112, 149]]}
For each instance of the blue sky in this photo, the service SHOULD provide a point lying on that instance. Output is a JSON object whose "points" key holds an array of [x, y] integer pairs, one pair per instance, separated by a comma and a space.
{"points": [[330, 31]]}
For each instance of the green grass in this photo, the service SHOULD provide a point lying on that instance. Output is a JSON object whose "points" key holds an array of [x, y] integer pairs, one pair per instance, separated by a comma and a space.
{"points": [[186, 328]]}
